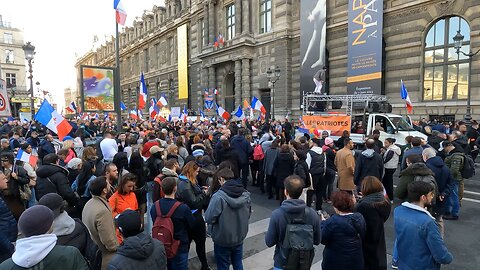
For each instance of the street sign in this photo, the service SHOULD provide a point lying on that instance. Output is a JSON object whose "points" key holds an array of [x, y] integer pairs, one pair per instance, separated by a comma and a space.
{"points": [[4, 103]]}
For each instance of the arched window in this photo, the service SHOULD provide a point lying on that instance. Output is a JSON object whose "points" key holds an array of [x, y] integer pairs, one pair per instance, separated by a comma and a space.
{"points": [[445, 71]]}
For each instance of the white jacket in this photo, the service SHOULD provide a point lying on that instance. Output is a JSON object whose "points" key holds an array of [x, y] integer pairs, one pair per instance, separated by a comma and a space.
{"points": [[393, 162]]}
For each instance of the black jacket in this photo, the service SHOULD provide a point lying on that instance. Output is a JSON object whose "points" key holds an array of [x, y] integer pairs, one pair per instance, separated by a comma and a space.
{"points": [[154, 165], [229, 154], [14, 185], [52, 178], [78, 238], [8, 231], [301, 169], [444, 180], [368, 163], [190, 194], [139, 252], [284, 165], [243, 147]]}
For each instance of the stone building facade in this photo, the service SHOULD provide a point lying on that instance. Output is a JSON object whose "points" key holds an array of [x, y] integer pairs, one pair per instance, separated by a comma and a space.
{"points": [[262, 34]]}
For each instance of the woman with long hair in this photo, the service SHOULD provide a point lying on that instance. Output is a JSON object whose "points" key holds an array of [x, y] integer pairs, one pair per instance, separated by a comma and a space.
{"points": [[182, 150], [375, 209], [68, 145], [124, 198], [196, 197], [172, 152], [90, 154], [136, 166], [82, 183]]}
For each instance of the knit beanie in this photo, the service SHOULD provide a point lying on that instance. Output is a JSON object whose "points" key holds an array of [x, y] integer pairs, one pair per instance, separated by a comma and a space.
{"points": [[36, 220]]}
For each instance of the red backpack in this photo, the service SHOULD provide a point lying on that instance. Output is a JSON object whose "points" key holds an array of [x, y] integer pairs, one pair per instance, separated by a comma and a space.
{"points": [[258, 152], [163, 230], [158, 179]]}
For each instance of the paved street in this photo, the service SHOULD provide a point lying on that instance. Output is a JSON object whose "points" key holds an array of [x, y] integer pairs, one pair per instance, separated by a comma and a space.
{"points": [[462, 236]]}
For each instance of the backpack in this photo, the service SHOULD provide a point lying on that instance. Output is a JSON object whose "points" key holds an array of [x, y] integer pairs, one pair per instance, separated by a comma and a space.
{"points": [[92, 254], [299, 243], [258, 152], [163, 230], [158, 180], [468, 170]]}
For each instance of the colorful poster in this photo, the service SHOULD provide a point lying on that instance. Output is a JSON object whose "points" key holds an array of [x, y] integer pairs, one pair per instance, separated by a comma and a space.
{"points": [[312, 46], [365, 25], [335, 125], [4, 103], [182, 62], [98, 88]]}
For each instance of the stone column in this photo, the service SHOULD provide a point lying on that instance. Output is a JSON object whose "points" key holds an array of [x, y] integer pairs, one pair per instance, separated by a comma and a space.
{"points": [[211, 77], [238, 82], [203, 85], [238, 17], [246, 95], [211, 22], [246, 16], [206, 18]]}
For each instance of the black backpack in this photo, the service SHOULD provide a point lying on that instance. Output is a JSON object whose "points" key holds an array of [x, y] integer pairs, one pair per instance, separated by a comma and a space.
{"points": [[92, 254], [299, 242], [468, 170]]}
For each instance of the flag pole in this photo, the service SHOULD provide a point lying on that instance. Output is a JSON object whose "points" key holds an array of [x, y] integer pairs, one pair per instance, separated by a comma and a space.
{"points": [[117, 92]]}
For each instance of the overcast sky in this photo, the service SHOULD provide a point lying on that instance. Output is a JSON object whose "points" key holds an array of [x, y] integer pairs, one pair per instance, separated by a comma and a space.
{"points": [[60, 29]]}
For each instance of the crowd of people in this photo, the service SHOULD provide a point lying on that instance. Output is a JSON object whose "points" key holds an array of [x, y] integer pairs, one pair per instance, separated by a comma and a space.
{"points": [[138, 195]]}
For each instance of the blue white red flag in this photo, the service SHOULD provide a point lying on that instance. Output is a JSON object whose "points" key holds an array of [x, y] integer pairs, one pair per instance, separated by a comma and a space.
{"points": [[239, 113], [142, 97], [122, 106], [50, 118], [257, 105], [120, 13], [406, 97], [71, 107], [26, 157]]}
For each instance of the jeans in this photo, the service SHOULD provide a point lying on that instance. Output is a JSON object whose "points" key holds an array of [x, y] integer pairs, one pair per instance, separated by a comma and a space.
{"points": [[453, 206], [149, 221], [179, 262], [329, 181], [225, 255], [388, 182], [395, 252], [32, 200]]}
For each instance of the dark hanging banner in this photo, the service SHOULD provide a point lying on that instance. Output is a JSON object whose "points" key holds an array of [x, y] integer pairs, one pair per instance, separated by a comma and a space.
{"points": [[365, 25], [313, 28]]}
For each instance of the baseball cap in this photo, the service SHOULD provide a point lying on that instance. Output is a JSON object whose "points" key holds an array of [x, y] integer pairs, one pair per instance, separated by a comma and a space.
{"points": [[129, 223]]}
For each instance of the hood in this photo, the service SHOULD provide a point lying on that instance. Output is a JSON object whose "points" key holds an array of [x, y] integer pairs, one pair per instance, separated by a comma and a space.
{"points": [[233, 188], [63, 225], [395, 149], [317, 150], [32, 250], [265, 137], [284, 156], [325, 148], [138, 247], [417, 169], [368, 153], [167, 172], [237, 139], [436, 162], [293, 206], [49, 170], [235, 203]]}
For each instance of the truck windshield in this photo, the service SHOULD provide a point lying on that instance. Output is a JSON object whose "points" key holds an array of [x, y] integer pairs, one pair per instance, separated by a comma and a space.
{"points": [[401, 124]]}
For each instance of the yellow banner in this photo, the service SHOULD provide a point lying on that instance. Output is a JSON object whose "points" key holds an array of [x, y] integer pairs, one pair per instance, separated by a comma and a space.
{"points": [[182, 62]]}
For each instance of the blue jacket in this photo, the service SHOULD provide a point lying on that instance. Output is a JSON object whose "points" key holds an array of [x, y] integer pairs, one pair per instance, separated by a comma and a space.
{"points": [[419, 243], [278, 224], [444, 180], [8, 231], [245, 150], [417, 150]]}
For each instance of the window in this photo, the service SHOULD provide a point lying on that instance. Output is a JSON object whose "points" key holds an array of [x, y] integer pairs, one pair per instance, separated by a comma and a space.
{"points": [[172, 51], [11, 80], [230, 21], [265, 16], [445, 71], [146, 60], [203, 32], [9, 57], [8, 38]]}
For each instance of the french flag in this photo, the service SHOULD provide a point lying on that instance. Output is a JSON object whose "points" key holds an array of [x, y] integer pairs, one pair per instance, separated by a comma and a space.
{"points": [[162, 101], [224, 114], [184, 114], [257, 105], [122, 106], [239, 113], [153, 109], [406, 97], [26, 157], [142, 97], [71, 107], [140, 116], [133, 114], [220, 39], [50, 118], [202, 115], [120, 13]]}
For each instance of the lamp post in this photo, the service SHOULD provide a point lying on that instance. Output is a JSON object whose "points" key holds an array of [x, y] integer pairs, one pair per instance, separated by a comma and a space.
{"points": [[273, 76], [458, 42], [29, 50], [171, 91]]}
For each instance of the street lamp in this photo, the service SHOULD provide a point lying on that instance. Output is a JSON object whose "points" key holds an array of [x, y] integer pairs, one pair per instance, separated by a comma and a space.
{"points": [[29, 50], [273, 76], [458, 42]]}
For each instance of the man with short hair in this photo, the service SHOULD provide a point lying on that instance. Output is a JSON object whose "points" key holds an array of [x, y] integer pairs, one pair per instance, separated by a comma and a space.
{"points": [[4, 146], [138, 250], [460, 142], [416, 149], [111, 173], [38, 249], [292, 207], [97, 216], [345, 163], [455, 161], [378, 144], [15, 141], [228, 214], [182, 219], [108, 146], [369, 163], [419, 242], [245, 150]]}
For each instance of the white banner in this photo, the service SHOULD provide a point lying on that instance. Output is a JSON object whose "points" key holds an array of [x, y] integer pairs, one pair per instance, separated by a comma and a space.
{"points": [[4, 103], [175, 111]]}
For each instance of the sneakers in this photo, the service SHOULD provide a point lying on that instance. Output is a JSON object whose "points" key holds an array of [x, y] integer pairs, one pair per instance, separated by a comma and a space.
{"points": [[394, 265]]}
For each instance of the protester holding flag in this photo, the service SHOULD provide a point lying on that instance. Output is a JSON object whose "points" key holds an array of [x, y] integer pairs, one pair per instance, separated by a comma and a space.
{"points": [[29, 162], [15, 195]]}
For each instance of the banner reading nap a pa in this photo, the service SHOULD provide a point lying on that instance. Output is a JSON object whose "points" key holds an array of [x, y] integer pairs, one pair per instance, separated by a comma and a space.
{"points": [[335, 125], [365, 25]]}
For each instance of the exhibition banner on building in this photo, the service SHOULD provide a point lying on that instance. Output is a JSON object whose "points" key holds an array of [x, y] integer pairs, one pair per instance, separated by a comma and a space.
{"points": [[312, 45], [335, 125], [182, 62], [365, 25], [98, 89]]}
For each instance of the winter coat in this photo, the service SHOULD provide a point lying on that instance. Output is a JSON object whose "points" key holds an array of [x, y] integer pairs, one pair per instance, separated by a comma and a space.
{"points": [[301, 169], [391, 157], [345, 163], [283, 168], [330, 156], [407, 176], [41, 252], [8, 231], [139, 252], [269, 161], [11, 195], [52, 178], [228, 214], [70, 232], [228, 154], [434, 141], [316, 161], [462, 144], [368, 163], [342, 236], [243, 147], [417, 150], [97, 216], [190, 194], [444, 180], [278, 223], [375, 209], [155, 165], [419, 242], [454, 161]]}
